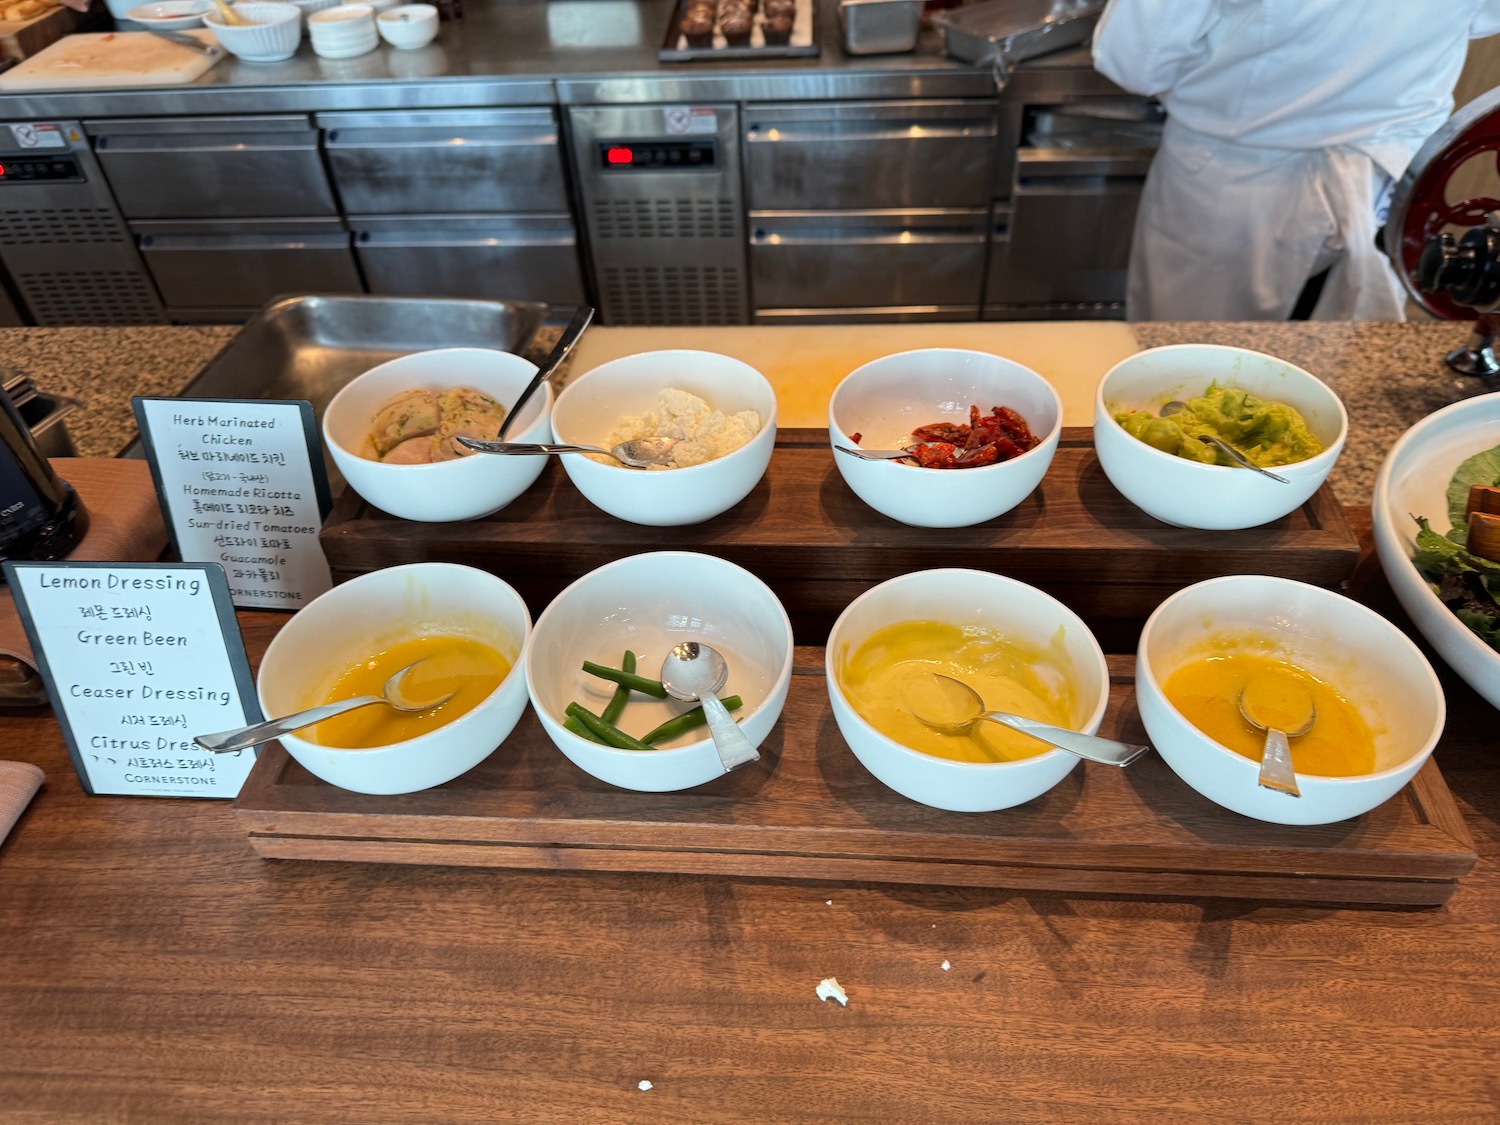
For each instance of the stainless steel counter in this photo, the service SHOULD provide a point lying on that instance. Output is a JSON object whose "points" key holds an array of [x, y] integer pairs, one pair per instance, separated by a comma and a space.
{"points": [[570, 52]]}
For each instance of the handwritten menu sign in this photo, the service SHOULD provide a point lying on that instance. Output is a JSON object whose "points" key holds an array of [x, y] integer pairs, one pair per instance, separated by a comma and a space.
{"points": [[243, 485], [137, 659]]}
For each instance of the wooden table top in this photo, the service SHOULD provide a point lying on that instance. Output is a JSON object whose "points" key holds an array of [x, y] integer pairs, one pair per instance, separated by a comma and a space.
{"points": [[154, 969]]}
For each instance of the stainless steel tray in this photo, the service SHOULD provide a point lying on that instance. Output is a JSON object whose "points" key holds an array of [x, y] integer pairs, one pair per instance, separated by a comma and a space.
{"points": [[1002, 33], [309, 347]]}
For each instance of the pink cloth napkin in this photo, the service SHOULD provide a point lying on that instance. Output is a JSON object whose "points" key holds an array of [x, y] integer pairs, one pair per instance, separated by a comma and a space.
{"points": [[19, 782]]}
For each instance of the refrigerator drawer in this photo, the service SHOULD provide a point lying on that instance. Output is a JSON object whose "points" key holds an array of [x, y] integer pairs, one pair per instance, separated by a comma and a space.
{"points": [[523, 258], [246, 270], [812, 260], [214, 168], [469, 162], [869, 155]]}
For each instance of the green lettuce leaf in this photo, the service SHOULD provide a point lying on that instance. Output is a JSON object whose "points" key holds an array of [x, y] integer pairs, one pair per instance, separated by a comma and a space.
{"points": [[1486, 628], [1482, 468], [1437, 555]]}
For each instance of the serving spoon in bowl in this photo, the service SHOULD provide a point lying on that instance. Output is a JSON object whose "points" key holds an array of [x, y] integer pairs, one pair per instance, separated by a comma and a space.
{"points": [[581, 320], [642, 453], [953, 707], [1283, 707], [695, 671], [240, 738], [1175, 407]]}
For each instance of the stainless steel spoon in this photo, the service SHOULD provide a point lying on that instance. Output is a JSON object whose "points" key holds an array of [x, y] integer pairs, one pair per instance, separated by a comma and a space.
{"points": [[226, 741], [642, 453], [1175, 407], [560, 350], [1291, 701], [954, 708], [694, 671], [875, 454]]}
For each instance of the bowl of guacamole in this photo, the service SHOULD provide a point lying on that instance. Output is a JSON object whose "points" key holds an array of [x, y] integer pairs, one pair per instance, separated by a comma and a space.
{"points": [[1279, 415]]}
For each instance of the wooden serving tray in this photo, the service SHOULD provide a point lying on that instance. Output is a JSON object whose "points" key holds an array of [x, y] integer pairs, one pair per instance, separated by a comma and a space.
{"points": [[810, 810], [818, 546]]}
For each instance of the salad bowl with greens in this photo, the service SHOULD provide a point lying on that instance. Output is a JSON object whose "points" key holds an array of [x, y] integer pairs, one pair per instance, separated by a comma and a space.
{"points": [[1451, 594]]}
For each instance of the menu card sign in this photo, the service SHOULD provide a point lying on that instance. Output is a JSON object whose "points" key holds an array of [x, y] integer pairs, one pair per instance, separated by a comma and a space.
{"points": [[137, 659], [242, 484]]}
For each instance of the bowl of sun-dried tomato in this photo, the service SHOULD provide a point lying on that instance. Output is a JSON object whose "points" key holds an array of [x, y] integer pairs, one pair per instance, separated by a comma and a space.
{"points": [[966, 435]]}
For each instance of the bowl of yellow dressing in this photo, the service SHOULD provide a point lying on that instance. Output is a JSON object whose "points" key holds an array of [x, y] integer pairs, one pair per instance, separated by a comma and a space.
{"points": [[469, 631], [1020, 649], [1379, 709]]}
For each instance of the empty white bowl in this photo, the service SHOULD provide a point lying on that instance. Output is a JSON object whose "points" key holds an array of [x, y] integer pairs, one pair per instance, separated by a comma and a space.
{"points": [[1413, 481], [408, 26], [1193, 494], [967, 597], [1361, 654], [369, 614], [170, 15], [591, 407], [649, 603], [887, 398], [273, 34], [463, 489]]}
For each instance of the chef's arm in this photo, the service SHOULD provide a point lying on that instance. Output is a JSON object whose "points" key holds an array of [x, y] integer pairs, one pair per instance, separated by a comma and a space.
{"points": [[1144, 46]]}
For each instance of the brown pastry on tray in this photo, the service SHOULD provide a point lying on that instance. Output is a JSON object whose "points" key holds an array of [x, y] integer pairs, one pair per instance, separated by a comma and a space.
{"points": [[786, 8], [777, 30], [697, 26], [735, 23]]}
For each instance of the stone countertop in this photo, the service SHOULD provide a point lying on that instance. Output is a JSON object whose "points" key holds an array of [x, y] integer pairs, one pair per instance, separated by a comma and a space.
{"points": [[1388, 375]]}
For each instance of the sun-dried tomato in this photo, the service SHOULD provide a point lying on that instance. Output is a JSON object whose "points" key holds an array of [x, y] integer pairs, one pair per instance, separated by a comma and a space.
{"points": [[988, 438]]}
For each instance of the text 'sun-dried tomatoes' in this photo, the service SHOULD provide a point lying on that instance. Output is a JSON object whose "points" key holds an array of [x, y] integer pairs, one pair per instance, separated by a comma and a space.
{"points": [[988, 438]]}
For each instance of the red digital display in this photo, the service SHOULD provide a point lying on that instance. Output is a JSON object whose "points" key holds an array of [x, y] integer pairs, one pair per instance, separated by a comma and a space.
{"points": [[619, 154], [2, 169]]}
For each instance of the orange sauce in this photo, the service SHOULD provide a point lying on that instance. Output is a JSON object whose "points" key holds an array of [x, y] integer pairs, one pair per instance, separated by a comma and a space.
{"points": [[470, 669]]}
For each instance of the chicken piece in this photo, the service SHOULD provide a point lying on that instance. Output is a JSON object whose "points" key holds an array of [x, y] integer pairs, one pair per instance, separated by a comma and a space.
{"points": [[465, 412], [413, 451], [410, 414]]}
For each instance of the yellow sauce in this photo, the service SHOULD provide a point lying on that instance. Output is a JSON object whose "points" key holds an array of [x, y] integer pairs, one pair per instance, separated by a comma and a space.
{"points": [[893, 669], [468, 668], [1207, 694]]}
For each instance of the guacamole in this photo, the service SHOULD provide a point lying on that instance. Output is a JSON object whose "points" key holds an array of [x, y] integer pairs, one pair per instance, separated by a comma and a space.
{"points": [[1267, 433]]}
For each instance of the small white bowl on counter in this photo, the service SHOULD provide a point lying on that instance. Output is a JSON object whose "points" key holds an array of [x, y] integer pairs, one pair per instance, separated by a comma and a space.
{"points": [[884, 400], [649, 603], [408, 26], [272, 35], [593, 406], [343, 31], [446, 491], [1368, 660], [1194, 494], [170, 15], [366, 615], [967, 598]]}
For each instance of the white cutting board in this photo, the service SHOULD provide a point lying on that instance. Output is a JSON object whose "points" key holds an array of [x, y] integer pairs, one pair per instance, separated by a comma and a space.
{"points": [[109, 60], [805, 362]]}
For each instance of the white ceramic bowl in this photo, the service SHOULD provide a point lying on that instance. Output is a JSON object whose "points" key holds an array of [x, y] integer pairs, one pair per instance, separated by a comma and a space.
{"points": [[649, 603], [887, 398], [342, 31], [376, 6], [170, 15], [368, 614], [1361, 654], [408, 26], [591, 406], [273, 34], [966, 597], [1413, 481], [1192, 494], [463, 489]]}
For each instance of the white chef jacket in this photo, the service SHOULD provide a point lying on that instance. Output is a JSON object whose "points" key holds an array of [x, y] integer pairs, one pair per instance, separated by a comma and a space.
{"points": [[1285, 119]]}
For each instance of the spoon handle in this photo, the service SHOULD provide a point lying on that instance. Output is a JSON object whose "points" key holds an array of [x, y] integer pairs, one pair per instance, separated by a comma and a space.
{"points": [[1106, 751], [1240, 459], [876, 454], [240, 738], [524, 449], [733, 747], [560, 351], [1276, 765]]}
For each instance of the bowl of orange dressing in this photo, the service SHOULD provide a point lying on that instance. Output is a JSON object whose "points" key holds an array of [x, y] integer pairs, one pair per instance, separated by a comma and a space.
{"points": [[896, 664], [466, 669]]}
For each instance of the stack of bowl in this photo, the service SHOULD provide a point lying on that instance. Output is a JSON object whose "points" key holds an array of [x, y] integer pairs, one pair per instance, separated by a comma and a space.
{"points": [[343, 31]]}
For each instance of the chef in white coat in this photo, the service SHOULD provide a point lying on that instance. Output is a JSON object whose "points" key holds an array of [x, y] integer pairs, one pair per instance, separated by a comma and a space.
{"points": [[1288, 121]]}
